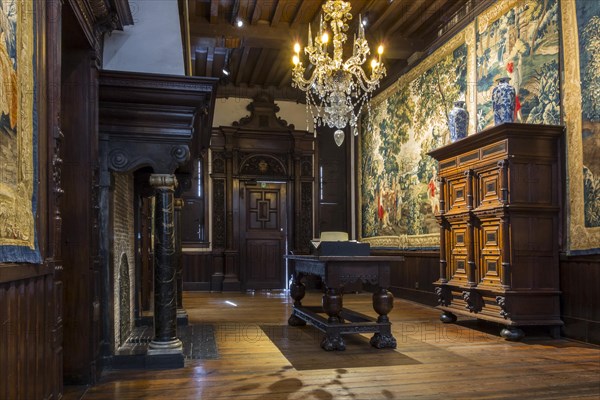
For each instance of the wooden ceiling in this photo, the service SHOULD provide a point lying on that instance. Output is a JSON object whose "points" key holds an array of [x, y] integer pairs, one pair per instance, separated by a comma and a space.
{"points": [[258, 55]]}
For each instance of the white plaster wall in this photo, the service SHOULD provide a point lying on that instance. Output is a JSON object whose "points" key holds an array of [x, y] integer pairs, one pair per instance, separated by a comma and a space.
{"points": [[152, 44], [229, 110]]}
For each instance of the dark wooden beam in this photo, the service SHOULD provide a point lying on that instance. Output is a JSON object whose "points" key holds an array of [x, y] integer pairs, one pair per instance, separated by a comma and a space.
{"points": [[191, 8], [243, 61], [409, 13], [278, 11], [258, 67], [248, 32], [431, 10], [391, 10], [209, 61], [256, 13], [214, 11], [200, 62], [305, 12], [274, 67], [286, 78]]}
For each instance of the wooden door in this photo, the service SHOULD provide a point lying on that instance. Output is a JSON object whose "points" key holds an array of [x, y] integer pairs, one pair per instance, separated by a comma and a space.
{"points": [[263, 230]]}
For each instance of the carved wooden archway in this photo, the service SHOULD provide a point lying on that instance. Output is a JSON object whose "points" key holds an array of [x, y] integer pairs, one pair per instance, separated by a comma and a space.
{"points": [[259, 151]]}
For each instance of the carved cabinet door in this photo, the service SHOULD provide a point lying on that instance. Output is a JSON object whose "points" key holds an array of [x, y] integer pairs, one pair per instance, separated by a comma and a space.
{"points": [[263, 230]]}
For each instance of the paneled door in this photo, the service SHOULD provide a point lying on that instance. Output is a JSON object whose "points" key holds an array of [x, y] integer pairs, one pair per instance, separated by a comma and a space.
{"points": [[263, 230]]}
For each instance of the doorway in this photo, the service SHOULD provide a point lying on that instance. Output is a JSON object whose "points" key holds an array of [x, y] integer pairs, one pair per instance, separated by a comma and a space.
{"points": [[263, 235]]}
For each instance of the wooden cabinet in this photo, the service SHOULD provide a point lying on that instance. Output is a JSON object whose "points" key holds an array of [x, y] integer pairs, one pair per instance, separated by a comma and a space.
{"points": [[500, 227]]}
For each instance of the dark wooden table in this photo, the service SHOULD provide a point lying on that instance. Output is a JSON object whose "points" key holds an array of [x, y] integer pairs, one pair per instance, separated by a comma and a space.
{"points": [[335, 272]]}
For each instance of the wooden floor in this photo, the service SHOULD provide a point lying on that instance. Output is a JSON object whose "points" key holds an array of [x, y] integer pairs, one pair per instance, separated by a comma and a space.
{"points": [[467, 360]]}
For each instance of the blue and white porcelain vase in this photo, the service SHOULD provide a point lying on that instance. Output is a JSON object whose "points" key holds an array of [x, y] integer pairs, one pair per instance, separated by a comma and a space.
{"points": [[458, 121], [503, 101]]}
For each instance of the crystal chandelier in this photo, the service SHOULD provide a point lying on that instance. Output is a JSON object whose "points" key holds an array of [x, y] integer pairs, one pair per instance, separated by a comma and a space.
{"points": [[337, 90]]}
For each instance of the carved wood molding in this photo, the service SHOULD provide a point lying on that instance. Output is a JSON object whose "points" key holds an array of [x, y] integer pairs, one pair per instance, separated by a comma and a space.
{"points": [[97, 17], [162, 157], [263, 115]]}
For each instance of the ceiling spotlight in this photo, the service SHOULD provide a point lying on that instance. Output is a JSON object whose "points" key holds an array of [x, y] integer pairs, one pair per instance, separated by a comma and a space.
{"points": [[239, 23], [225, 72], [365, 21]]}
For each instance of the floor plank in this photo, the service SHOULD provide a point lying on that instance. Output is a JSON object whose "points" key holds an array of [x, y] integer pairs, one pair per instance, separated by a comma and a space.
{"points": [[464, 360]]}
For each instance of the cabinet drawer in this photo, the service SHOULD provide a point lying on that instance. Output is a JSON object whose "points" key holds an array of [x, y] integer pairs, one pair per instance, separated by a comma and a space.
{"points": [[456, 190], [490, 256], [488, 187], [458, 253]]}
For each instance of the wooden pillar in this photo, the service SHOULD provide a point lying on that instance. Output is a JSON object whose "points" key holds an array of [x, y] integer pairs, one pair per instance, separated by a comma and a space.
{"points": [[231, 281], [471, 265], [165, 286]]}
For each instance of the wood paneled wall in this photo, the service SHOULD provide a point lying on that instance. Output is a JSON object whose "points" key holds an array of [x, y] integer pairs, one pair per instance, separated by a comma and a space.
{"points": [[580, 297], [30, 362], [413, 279], [198, 269]]}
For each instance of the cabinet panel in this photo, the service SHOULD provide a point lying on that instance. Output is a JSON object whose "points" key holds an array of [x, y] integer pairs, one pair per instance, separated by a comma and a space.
{"points": [[458, 259], [490, 260], [532, 183], [488, 187], [457, 194]]}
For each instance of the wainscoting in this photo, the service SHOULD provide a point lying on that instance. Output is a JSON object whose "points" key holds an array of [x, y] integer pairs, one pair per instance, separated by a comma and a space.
{"points": [[30, 337], [580, 298]]}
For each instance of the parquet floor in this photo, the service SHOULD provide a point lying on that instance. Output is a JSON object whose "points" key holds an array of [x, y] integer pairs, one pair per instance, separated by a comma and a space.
{"points": [[467, 360]]}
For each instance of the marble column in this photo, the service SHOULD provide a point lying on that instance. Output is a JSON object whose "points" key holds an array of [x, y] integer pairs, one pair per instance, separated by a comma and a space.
{"points": [[165, 283], [182, 317]]}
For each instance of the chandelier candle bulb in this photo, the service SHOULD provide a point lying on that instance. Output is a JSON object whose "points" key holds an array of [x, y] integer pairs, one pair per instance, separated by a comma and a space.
{"points": [[337, 89]]}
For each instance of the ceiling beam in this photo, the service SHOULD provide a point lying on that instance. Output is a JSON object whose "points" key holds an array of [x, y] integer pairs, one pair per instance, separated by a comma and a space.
{"points": [[453, 8], [273, 69], [258, 67], [200, 62], [306, 12], [269, 37], [256, 13], [214, 11], [287, 77], [424, 16], [389, 11], [209, 61], [282, 5], [259, 31], [410, 13], [243, 61]]}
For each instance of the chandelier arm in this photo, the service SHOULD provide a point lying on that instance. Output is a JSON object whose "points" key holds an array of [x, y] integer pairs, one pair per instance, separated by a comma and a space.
{"points": [[367, 84]]}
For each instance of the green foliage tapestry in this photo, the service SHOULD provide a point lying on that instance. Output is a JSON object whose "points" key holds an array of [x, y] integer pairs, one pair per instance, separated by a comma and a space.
{"points": [[399, 191]]}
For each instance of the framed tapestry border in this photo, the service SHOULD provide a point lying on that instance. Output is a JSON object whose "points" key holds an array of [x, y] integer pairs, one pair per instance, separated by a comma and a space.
{"points": [[580, 239], [18, 186]]}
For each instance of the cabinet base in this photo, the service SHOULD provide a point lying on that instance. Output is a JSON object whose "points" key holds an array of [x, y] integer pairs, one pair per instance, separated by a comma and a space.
{"points": [[447, 317], [511, 333]]}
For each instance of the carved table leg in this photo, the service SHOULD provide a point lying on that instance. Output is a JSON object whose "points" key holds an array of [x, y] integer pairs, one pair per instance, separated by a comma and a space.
{"points": [[333, 305], [447, 317], [383, 302], [297, 292], [333, 341]]}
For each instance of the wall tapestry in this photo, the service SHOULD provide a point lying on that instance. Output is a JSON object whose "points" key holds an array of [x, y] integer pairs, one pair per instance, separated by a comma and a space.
{"points": [[520, 39], [18, 141], [581, 105], [398, 188]]}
